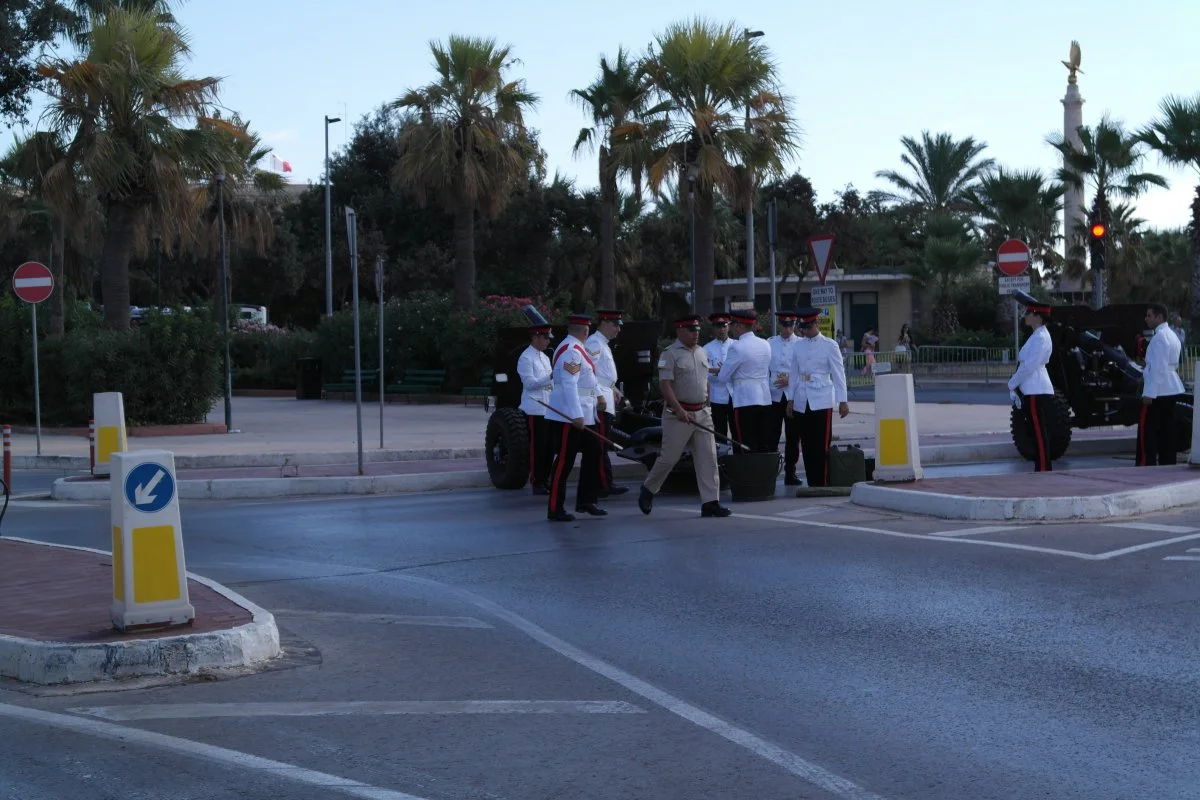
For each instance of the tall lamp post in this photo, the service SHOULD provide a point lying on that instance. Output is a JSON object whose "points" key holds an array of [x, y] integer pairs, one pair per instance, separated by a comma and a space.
{"points": [[158, 269], [692, 213], [749, 34], [328, 226], [224, 299]]}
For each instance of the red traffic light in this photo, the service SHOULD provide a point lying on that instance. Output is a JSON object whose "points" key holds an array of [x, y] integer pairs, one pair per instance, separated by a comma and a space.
{"points": [[1098, 230]]}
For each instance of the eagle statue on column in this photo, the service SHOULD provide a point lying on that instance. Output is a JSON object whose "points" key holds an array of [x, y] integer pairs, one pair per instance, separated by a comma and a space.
{"points": [[1073, 64]]}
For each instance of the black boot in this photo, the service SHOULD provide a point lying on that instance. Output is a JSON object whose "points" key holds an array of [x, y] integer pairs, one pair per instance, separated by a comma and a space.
{"points": [[590, 508], [560, 516], [790, 479], [714, 509], [645, 500], [613, 491]]}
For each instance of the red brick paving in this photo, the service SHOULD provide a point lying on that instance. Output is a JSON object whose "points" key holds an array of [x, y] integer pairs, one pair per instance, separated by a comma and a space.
{"points": [[1077, 483], [54, 594]]}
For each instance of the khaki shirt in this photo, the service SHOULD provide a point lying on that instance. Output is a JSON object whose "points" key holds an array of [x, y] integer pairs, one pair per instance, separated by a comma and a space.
{"points": [[687, 370]]}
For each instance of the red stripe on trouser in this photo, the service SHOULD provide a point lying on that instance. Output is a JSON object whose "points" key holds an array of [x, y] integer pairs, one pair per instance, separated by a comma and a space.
{"points": [[558, 468], [1142, 456], [1042, 461], [602, 423], [828, 441], [532, 451]]}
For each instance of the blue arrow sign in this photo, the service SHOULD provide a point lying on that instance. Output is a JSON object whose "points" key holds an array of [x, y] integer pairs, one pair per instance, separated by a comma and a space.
{"points": [[149, 487]]}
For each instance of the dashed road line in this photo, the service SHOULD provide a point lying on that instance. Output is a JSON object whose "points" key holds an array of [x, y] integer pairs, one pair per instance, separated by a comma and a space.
{"points": [[1137, 548], [1151, 527], [986, 529], [1185, 558]]}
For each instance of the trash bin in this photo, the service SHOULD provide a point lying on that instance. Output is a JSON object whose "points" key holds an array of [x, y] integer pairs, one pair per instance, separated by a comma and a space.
{"points": [[308, 379]]}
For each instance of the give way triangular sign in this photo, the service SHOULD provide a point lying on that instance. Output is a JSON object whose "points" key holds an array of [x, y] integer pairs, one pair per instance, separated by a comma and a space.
{"points": [[821, 247]]}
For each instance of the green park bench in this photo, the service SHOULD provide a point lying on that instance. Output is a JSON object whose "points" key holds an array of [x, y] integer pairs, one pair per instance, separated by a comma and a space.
{"points": [[370, 381], [484, 389], [419, 381]]}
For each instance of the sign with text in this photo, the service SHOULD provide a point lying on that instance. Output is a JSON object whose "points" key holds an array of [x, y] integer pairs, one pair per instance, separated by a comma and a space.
{"points": [[1014, 283], [824, 295]]}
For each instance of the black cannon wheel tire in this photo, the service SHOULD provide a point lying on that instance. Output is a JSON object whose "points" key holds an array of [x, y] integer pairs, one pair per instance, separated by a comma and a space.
{"points": [[1183, 426], [1059, 421], [506, 448]]}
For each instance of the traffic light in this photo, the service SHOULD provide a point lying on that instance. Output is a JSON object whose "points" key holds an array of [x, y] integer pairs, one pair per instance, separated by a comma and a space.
{"points": [[1097, 241], [1098, 230]]}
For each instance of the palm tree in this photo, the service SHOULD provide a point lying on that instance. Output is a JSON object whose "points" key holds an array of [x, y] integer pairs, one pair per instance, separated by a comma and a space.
{"points": [[1020, 204], [468, 145], [617, 97], [950, 252], [1108, 158], [1176, 137], [943, 169], [120, 107], [707, 75]]}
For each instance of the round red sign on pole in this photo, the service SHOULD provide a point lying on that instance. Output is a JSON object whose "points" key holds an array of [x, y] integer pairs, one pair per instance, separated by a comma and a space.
{"points": [[1013, 257], [33, 282]]}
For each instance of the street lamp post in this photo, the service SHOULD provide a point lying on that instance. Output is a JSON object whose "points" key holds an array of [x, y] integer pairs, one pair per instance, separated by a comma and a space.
{"points": [[158, 270], [224, 300], [328, 225], [749, 34], [692, 213]]}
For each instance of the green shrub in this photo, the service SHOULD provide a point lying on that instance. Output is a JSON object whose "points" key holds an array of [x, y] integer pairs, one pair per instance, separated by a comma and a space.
{"points": [[987, 338], [264, 357], [168, 369]]}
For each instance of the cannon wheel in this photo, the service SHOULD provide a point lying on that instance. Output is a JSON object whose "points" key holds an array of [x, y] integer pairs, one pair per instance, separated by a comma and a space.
{"points": [[1059, 422], [1183, 426], [506, 446]]}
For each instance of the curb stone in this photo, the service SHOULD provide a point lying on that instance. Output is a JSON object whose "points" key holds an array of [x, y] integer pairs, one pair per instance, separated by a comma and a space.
{"points": [[48, 663], [1048, 509], [281, 460]]}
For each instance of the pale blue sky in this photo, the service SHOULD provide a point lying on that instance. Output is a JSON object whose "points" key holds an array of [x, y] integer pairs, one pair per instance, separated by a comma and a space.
{"points": [[862, 73]]}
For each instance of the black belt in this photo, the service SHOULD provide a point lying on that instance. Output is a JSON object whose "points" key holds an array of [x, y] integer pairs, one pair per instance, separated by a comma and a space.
{"points": [[692, 406]]}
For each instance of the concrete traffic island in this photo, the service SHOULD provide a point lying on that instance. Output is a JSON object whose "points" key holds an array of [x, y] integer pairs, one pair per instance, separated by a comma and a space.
{"points": [[1092, 494], [55, 626]]}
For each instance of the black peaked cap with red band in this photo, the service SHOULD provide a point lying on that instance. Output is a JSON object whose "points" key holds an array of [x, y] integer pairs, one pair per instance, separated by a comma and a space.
{"points": [[808, 314], [689, 321], [609, 314], [579, 319], [719, 318]]}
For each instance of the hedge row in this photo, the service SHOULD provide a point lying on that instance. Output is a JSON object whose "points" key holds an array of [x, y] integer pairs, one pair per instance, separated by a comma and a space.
{"points": [[168, 368]]}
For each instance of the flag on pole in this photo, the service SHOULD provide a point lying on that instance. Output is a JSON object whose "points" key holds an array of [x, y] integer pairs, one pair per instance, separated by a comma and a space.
{"points": [[280, 166]]}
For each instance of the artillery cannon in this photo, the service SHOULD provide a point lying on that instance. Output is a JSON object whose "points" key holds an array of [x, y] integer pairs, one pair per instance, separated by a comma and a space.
{"points": [[1096, 382]]}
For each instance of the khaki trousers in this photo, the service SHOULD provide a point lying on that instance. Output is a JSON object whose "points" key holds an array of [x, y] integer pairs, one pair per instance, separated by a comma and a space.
{"points": [[678, 436]]}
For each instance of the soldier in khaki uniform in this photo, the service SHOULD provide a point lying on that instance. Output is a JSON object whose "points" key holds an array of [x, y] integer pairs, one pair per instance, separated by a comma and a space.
{"points": [[683, 379]]}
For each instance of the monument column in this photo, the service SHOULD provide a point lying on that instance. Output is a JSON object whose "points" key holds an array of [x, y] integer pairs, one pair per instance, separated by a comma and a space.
{"points": [[1074, 213]]}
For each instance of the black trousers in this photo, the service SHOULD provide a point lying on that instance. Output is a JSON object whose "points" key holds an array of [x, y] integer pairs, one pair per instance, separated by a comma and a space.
{"points": [[540, 453], [570, 442], [722, 414], [815, 429], [604, 424], [1035, 407], [790, 428], [753, 426], [1156, 433]]}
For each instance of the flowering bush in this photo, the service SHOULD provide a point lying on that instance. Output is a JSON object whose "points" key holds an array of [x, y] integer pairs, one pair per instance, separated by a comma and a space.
{"points": [[264, 356]]}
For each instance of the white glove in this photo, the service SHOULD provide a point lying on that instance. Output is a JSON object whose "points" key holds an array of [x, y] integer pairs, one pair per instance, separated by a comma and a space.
{"points": [[1014, 398]]}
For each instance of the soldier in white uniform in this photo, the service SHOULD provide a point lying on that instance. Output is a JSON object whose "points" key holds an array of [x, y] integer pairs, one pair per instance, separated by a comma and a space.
{"points": [[747, 371], [818, 383], [683, 379], [598, 348], [536, 377], [1030, 389], [1161, 389], [718, 390], [781, 357], [573, 394]]}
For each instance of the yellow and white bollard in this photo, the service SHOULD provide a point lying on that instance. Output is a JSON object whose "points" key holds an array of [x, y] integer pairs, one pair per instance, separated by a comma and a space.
{"points": [[108, 410], [897, 450], [149, 575]]}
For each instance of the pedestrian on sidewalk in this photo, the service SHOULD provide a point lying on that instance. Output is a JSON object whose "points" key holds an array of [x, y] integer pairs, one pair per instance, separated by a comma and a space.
{"points": [[1161, 390], [683, 380], [718, 390], [747, 372], [574, 395], [608, 397], [819, 385], [1030, 389], [536, 379]]}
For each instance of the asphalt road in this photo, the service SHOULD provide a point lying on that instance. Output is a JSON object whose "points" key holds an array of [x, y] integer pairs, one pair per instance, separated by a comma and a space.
{"points": [[801, 649]]}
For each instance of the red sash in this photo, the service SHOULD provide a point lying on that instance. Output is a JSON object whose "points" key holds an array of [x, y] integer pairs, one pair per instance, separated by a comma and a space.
{"points": [[563, 347]]}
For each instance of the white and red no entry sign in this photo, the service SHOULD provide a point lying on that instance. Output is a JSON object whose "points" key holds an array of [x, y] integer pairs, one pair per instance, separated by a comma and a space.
{"points": [[1013, 257], [33, 282]]}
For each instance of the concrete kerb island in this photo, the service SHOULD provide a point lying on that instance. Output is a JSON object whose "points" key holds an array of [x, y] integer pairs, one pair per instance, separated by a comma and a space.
{"points": [[176, 653]]}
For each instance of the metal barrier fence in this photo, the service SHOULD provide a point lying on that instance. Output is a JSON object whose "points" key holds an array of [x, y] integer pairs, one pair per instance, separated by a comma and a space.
{"points": [[934, 365]]}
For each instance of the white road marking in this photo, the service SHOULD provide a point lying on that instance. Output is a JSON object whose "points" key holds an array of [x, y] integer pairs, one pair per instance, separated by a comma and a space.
{"points": [[901, 535], [135, 713], [1181, 558], [1150, 526], [805, 512], [1124, 551], [186, 747], [986, 529], [386, 619], [789, 761]]}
